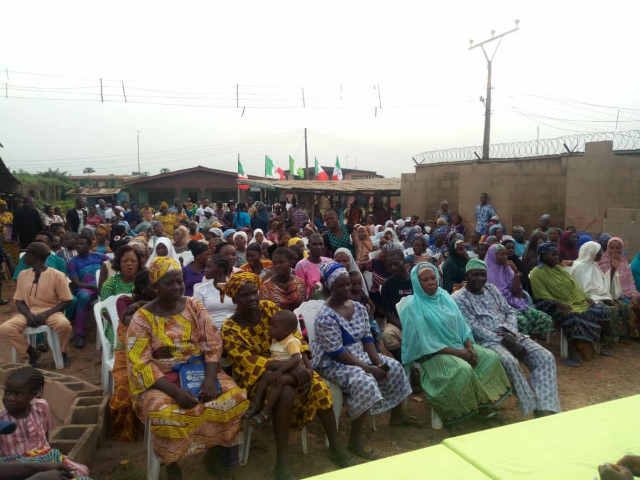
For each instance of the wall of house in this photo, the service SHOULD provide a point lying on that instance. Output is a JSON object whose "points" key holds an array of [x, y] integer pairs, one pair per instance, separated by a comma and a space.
{"points": [[576, 189]]}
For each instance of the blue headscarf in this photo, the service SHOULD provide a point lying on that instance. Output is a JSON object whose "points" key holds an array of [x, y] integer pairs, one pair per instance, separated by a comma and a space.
{"points": [[430, 322], [584, 237]]}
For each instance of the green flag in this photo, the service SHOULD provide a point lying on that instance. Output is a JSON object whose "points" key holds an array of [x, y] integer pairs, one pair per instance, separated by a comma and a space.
{"points": [[269, 170], [241, 173], [292, 166]]}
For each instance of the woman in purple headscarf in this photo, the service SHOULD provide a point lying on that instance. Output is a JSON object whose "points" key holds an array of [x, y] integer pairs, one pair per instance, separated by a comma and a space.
{"points": [[503, 273]]}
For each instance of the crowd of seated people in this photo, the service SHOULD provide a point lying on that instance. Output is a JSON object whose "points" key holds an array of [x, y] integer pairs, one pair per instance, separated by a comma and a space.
{"points": [[199, 288]]}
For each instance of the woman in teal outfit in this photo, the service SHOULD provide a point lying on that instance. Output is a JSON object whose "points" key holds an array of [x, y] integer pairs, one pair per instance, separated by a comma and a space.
{"points": [[458, 377]]}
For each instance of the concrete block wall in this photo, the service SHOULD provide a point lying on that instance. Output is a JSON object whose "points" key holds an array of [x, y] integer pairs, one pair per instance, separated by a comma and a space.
{"points": [[78, 409], [575, 189]]}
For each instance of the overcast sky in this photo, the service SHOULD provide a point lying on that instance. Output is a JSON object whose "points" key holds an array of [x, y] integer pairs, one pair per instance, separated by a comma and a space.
{"points": [[184, 59]]}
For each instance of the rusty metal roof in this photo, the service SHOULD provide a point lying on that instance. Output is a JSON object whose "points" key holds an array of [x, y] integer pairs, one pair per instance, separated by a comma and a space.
{"points": [[93, 192], [344, 186]]}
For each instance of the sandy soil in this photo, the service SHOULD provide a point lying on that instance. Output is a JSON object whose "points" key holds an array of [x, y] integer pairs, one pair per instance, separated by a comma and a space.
{"points": [[604, 378]]}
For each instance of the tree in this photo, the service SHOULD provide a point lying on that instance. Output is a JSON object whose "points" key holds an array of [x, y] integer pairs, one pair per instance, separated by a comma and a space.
{"points": [[89, 170], [164, 170]]}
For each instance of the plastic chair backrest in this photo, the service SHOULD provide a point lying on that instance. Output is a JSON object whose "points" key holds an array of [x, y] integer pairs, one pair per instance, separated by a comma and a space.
{"points": [[108, 305], [309, 311], [98, 278]]}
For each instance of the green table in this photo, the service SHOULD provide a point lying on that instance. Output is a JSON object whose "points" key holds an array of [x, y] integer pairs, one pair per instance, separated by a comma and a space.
{"points": [[566, 446], [436, 463]]}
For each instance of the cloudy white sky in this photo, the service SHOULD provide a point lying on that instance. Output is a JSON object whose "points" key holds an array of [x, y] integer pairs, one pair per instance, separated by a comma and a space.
{"points": [[183, 60]]}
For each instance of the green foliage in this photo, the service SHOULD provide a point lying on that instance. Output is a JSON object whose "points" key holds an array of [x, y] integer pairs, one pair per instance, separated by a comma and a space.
{"points": [[48, 187]]}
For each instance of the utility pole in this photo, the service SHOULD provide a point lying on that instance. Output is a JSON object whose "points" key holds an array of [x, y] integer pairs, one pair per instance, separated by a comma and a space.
{"points": [[138, 143], [486, 141], [306, 156]]}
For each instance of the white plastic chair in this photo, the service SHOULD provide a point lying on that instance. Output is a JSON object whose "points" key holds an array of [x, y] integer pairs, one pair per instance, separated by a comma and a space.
{"points": [[109, 306], [52, 339], [153, 464]]}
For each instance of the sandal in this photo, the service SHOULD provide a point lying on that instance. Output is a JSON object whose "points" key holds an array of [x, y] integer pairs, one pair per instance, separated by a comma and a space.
{"points": [[362, 452]]}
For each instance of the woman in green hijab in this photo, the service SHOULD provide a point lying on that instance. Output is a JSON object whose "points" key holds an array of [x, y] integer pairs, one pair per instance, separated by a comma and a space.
{"points": [[459, 378]]}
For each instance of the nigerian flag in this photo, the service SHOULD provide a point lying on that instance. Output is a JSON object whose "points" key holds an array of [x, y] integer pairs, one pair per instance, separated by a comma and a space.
{"points": [[241, 173]]}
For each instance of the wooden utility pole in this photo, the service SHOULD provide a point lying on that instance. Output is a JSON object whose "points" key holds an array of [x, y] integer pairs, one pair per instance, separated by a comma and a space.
{"points": [[486, 141], [306, 156], [101, 94]]}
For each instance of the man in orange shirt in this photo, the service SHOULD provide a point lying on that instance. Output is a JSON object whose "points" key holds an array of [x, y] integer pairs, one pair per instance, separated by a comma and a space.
{"points": [[41, 296]]}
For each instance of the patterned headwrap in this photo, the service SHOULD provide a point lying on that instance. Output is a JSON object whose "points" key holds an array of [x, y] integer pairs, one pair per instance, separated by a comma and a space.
{"points": [[293, 241], [331, 271], [475, 264], [164, 204], [238, 280], [160, 266]]}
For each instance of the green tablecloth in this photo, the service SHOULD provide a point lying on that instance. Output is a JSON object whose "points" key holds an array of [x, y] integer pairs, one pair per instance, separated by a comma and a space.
{"points": [[566, 446], [436, 463]]}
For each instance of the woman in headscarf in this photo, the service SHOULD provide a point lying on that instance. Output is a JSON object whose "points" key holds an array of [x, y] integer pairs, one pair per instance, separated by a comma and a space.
{"points": [[453, 269], [247, 339], [172, 336], [503, 273], [344, 353], [568, 245], [623, 288], [345, 258], [510, 244], [283, 287], [240, 242], [259, 238], [563, 298], [194, 272], [163, 248], [459, 378]]}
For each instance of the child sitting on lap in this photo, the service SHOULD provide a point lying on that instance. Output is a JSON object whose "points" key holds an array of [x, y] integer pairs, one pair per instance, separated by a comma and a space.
{"points": [[29, 442], [285, 358]]}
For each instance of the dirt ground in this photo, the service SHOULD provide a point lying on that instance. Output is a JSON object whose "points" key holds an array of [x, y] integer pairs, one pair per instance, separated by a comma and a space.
{"points": [[600, 380]]}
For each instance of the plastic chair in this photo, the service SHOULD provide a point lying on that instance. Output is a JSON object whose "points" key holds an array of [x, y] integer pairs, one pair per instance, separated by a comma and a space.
{"points": [[153, 464], [52, 339], [109, 306]]}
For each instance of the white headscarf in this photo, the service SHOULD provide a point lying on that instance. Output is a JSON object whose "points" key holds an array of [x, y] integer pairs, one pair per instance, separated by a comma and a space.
{"points": [[353, 266], [171, 252], [264, 237], [585, 270]]}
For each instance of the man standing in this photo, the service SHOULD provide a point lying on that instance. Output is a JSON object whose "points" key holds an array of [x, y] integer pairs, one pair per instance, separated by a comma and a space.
{"points": [[42, 294], [443, 212], [77, 217], [27, 223], [495, 326], [484, 212]]}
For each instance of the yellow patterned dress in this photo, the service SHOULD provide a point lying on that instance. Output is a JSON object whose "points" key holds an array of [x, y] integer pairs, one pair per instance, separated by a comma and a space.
{"points": [[248, 349], [177, 432]]}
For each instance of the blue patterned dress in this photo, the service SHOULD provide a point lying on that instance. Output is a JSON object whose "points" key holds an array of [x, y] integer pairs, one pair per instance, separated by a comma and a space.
{"points": [[334, 335], [486, 313]]}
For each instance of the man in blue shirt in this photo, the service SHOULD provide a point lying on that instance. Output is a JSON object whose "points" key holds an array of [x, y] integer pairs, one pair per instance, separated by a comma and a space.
{"points": [[484, 212]]}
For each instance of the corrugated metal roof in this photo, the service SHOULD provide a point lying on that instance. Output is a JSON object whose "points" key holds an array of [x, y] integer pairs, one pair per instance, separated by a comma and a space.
{"points": [[345, 186], [93, 192]]}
